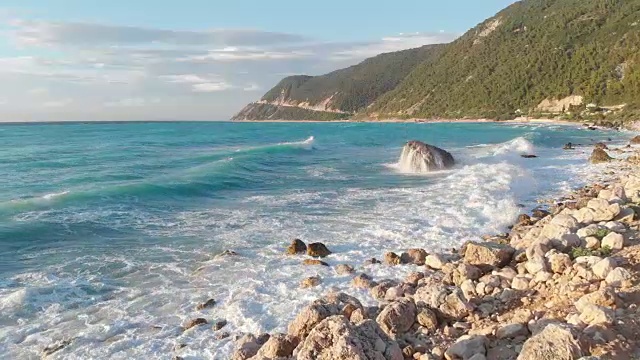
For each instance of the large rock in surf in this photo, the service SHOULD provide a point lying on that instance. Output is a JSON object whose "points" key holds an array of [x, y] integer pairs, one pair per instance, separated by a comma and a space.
{"points": [[419, 157], [599, 156]]}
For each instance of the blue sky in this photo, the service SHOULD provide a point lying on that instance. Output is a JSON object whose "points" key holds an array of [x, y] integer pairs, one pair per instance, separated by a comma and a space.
{"points": [[196, 59]]}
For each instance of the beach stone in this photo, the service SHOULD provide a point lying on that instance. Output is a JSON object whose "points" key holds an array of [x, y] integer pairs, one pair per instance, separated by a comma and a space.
{"points": [[414, 278], [247, 347], [520, 282], [488, 254], [617, 277], [397, 317], [207, 304], [536, 264], [511, 331], [466, 347], [614, 241], [414, 256], [554, 342], [603, 267], [318, 250], [320, 309], [313, 262], [559, 263], [468, 289], [602, 210], [592, 243], [344, 269], [194, 323], [599, 156], [626, 215], [337, 338], [616, 227], [635, 140], [602, 297], [278, 345], [363, 281], [596, 315], [310, 282], [448, 301], [219, 325], [227, 253], [427, 319], [589, 230], [297, 246]]}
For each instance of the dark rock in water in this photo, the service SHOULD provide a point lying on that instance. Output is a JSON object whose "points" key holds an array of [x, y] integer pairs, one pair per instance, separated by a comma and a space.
{"points": [[599, 156], [55, 347], [297, 247], [209, 303], [419, 157], [318, 250], [227, 253], [529, 156], [314, 262], [524, 219], [195, 322], [391, 258], [372, 261], [635, 140], [219, 324], [601, 145], [568, 146]]}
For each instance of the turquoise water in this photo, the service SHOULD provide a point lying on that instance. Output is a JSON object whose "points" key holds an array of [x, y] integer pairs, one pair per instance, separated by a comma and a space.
{"points": [[107, 230]]}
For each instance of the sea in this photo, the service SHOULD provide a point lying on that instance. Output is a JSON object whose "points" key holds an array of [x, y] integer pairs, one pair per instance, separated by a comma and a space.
{"points": [[110, 233]]}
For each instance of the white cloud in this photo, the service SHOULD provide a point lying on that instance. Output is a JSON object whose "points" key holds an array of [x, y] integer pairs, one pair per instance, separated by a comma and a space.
{"points": [[211, 87], [39, 91], [252, 87], [132, 102], [393, 43]]}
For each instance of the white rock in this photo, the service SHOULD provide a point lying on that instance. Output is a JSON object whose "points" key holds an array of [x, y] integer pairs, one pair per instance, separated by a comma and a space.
{"points": [[627, 215], [587, 231], [604, 267], [592, 243], [565, 221], [559, 263], [511, 331], [520, 282], [614, 241], [618, 276], [434, 261], [616, 226], [536, 264], [588, 260], [597, 315], [466, 347], [542, 277]]}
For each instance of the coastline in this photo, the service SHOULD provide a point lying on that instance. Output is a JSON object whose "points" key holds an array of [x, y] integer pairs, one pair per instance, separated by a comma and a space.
{"points": [[424, 121], [553, 283]]}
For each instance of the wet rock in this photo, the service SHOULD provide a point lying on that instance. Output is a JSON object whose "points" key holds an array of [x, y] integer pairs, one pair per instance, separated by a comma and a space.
{"points": [[540, 214], [337, 338], [247, 347], [278, 345], [363, 281], [488, 254], [528, 156], [227, 253], [600, 145], [635, 140], [414, 278], [194, 322], [344, 269], [372, 261], [614, 241], [207, 304], [414, 256], [420, 157], [313, 262], [599, 156], [466, 347], [320, 309], [397, 317], [318, 250], [310, 282], [391, 259], [552, 343], [297, 246], [53, 348], [221, 336]]}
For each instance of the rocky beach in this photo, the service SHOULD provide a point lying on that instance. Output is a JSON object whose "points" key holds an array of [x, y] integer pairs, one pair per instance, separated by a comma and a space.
{"points": [[561, 284]]}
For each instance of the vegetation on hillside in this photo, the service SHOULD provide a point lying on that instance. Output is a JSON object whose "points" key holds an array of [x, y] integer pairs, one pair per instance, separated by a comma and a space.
{"points": [[272, 112], [539, 49]]}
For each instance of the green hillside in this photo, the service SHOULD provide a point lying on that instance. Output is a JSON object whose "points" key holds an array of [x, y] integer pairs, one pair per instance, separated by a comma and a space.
{"points": [[531, 51], [346, 91]]}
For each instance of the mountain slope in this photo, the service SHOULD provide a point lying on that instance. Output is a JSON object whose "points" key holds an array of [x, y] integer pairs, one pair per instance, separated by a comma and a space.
{"points": [[531, 51], [338, 94]]}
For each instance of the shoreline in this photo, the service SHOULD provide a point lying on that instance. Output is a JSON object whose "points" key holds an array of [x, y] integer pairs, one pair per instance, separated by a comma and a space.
{"points": [[422, 121], [551, 282]]}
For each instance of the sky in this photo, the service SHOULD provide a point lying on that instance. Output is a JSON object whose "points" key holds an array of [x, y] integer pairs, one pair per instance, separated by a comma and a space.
{"points": [[85, 60]]}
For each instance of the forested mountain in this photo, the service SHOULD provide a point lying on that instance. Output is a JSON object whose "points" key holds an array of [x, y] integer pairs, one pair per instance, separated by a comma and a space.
{"points": [[341, 93], [571, 58]]}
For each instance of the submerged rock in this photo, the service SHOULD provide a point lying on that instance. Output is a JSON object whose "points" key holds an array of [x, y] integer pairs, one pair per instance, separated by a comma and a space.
{"points": [[418, 157], [318, 250], [195, 322], [209, 303], [297, 247]]}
